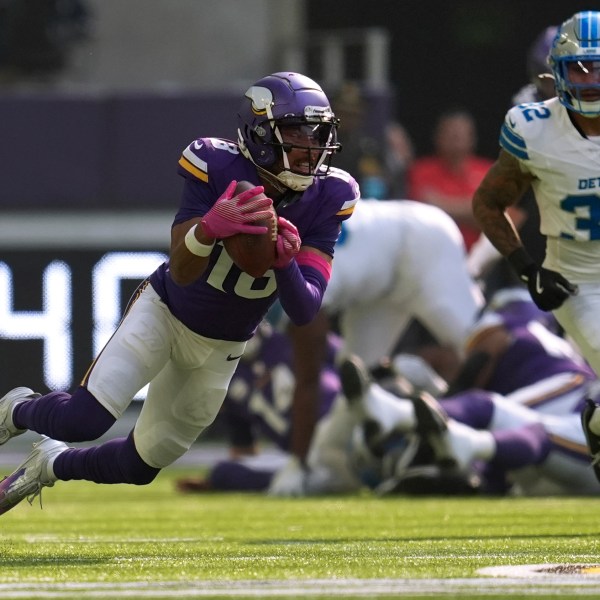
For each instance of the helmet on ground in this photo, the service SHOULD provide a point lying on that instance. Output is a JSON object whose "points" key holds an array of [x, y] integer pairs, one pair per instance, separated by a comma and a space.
{"points": [[575, 62], [287, 100]]}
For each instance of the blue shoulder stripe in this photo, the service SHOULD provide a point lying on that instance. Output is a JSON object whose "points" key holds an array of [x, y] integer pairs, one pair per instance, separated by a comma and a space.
{"points": [[513, 143]]}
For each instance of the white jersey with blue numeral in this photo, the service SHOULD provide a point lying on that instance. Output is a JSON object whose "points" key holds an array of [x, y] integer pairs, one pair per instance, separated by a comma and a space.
{"points": [[566, 170]]}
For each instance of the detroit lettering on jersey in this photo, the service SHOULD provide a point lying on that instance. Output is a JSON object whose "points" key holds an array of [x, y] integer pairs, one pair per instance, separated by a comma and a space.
{"points": [[589, 184], [226, 303]]}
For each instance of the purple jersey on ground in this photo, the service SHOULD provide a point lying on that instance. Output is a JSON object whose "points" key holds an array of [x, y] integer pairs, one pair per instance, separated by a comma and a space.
{"points": [[535, 353], [226, 303], [259, 400]]}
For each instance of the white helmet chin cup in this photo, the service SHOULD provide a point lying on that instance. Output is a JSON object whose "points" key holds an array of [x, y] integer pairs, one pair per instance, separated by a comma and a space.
{"points": [[587, 109], [295, 182]]}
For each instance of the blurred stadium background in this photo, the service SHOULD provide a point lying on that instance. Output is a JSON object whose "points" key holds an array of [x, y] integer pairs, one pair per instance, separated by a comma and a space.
{"points": [[99, 97]]}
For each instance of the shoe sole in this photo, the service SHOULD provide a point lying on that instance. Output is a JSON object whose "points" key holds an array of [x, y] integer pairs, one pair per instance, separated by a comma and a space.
{"points": [[429, 414], [593, 441], [5, 484], [354, 378], [432, 425]]}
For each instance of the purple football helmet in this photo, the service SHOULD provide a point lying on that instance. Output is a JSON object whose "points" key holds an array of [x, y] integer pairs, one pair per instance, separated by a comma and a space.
{"points": [[287, 100], [538, 69], [537, 56]]}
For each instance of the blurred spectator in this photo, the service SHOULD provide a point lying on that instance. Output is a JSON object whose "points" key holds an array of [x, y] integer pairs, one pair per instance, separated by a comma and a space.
{"points": [[448, 178], [399, 154], [361, 154]]}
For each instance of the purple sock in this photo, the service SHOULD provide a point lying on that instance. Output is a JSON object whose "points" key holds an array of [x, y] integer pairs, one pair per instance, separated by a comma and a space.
{"points": [[115, 461], [474, 408], [62, 416], [527, 445]]}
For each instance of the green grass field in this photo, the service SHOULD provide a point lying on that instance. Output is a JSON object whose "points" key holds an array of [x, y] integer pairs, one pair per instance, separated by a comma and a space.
{"points": [[152, 542]]}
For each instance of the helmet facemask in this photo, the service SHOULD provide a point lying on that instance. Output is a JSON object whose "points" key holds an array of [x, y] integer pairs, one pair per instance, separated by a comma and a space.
{"points": [[317, 140], [583, 98]]}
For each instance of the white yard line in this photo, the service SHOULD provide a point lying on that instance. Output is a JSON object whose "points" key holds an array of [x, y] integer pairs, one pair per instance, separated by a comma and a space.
{"points": [[552, 585]]}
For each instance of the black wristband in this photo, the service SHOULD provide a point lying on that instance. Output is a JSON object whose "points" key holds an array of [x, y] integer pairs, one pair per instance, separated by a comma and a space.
{"points": [[521, 262]]}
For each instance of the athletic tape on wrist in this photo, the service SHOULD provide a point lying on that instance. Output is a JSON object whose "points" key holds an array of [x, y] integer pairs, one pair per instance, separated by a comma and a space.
{"points": [[194, 246]]}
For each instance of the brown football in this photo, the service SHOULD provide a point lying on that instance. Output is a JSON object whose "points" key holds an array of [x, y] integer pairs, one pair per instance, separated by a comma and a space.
{"points": [[253, 253]]}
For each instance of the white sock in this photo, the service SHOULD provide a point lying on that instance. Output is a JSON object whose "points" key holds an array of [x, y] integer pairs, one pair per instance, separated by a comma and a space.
{"points": [[389, 411], [468, 444]]}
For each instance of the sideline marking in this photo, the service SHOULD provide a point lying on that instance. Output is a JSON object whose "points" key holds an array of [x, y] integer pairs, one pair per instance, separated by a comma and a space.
{"points": [[561, 572]]}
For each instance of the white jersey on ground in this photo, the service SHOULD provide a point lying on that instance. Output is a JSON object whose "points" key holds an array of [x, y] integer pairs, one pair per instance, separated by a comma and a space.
{"points": [[397, 260]]}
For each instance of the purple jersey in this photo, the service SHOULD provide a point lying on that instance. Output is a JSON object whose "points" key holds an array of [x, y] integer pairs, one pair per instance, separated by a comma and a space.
{"points": [[259, 399], [226, 303], [535, 353]]}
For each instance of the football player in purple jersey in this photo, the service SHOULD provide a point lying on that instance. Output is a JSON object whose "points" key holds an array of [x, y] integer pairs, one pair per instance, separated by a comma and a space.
{"points": [[257, 409], [514, 346], [189, 322]]}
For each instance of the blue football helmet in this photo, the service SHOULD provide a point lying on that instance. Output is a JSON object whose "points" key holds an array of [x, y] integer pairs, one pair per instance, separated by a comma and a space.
{"points": [[576, 48], [287, 100]]}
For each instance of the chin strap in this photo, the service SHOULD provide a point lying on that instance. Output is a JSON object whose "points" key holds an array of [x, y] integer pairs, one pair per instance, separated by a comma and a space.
{"points": [[272, 179], [286, 180]]}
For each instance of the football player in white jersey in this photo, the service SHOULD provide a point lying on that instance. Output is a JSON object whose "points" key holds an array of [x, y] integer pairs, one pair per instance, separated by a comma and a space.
{"points": [[395, 260], [554, 147]]}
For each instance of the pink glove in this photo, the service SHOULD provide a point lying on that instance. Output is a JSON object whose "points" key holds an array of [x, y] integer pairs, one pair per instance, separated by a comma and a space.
{"points": [[288, 243], [231, 214]]}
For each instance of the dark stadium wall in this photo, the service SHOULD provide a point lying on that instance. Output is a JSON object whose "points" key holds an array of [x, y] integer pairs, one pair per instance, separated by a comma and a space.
{"points": [[467, 53], [103, 151]]}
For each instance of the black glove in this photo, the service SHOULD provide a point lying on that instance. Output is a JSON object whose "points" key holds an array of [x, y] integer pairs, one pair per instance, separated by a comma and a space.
{"points": [[548, 289]]}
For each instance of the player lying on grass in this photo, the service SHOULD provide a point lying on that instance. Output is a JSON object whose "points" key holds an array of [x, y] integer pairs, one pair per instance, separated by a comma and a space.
{"points": [[387, 272], [258, 412], [502, 441], [513, 350], [514, 345], [263, 398]]}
